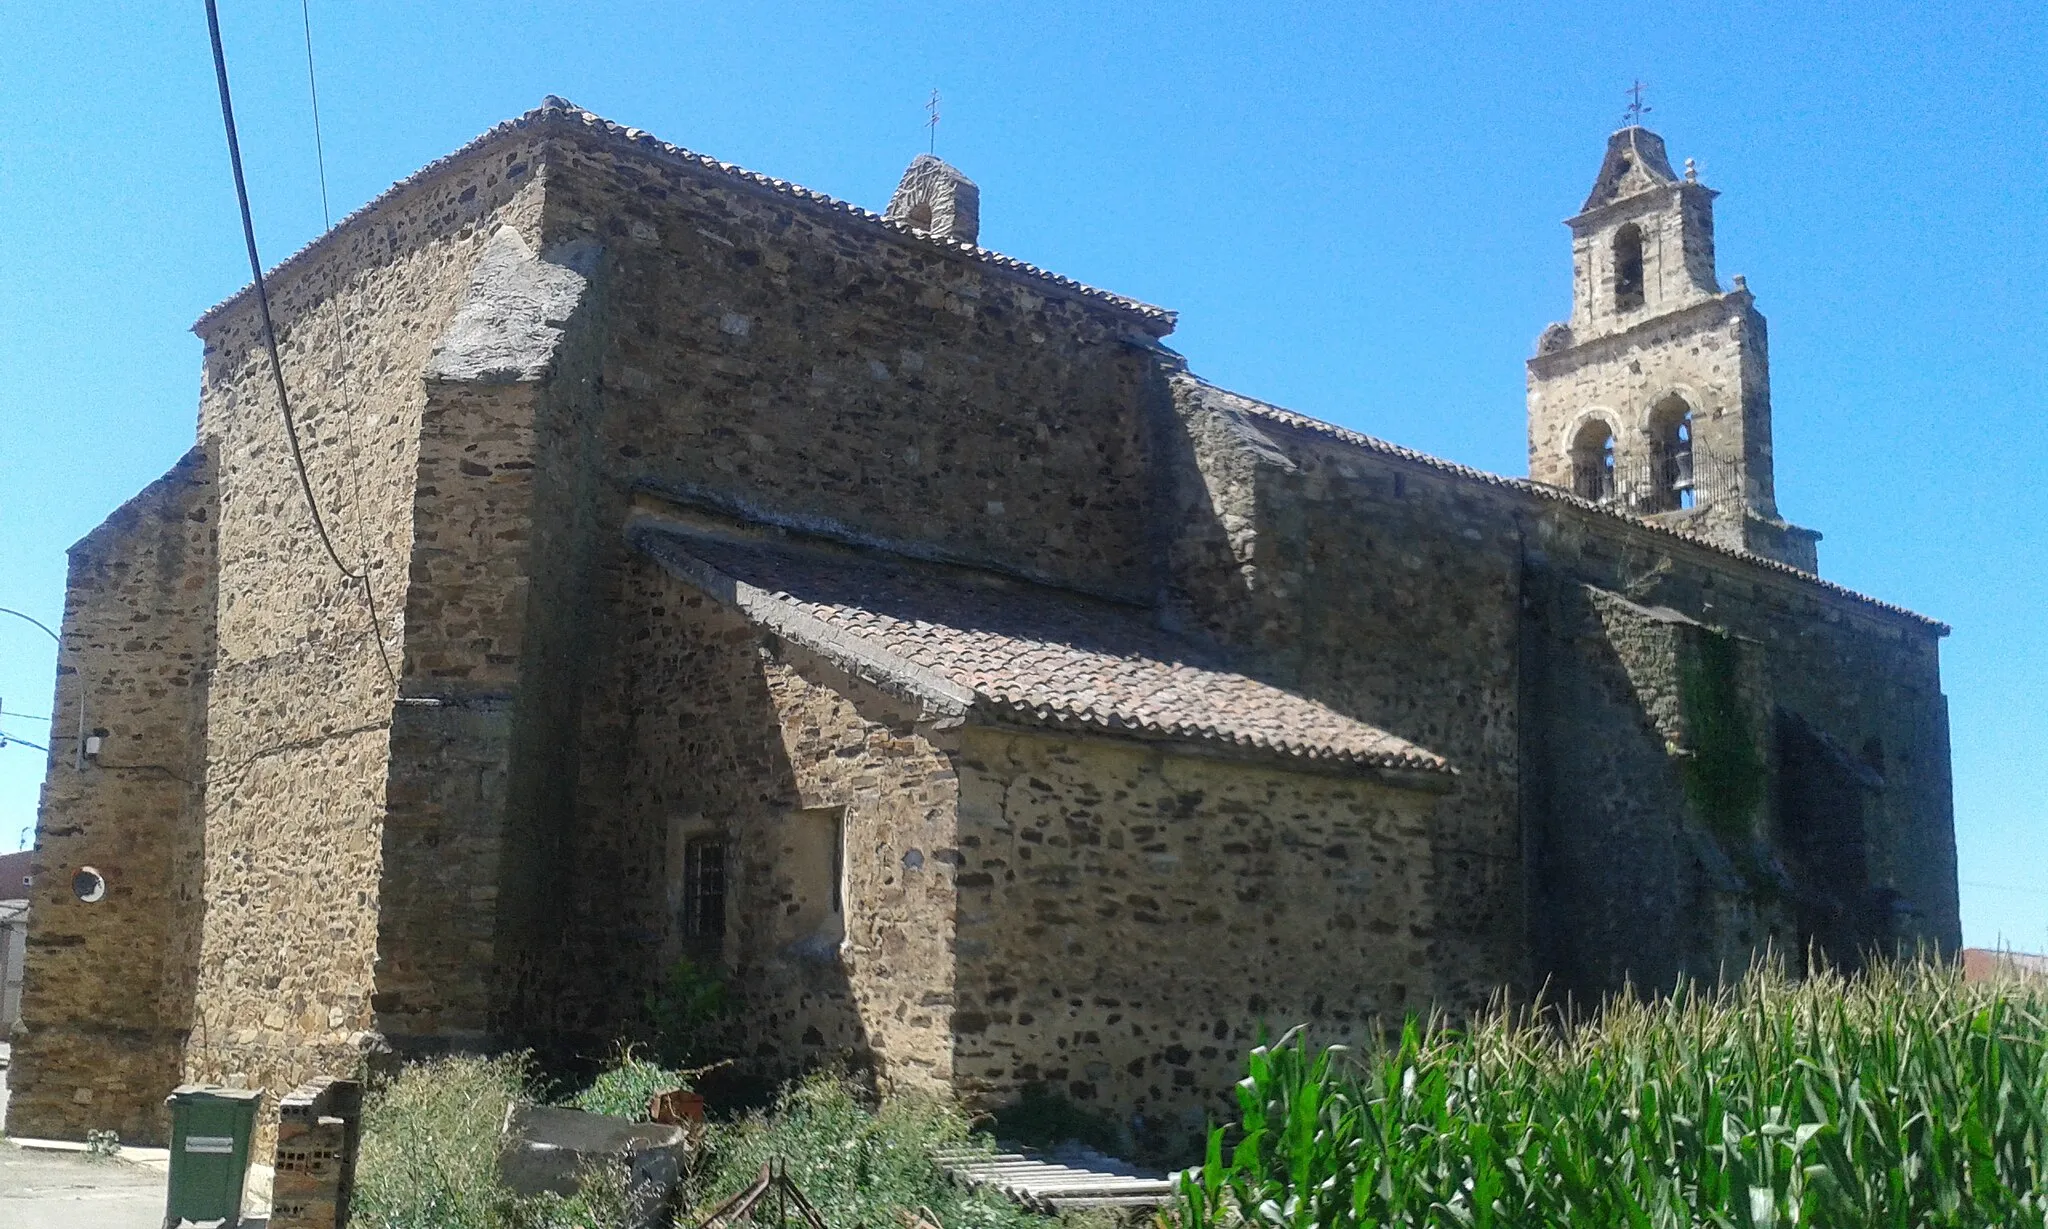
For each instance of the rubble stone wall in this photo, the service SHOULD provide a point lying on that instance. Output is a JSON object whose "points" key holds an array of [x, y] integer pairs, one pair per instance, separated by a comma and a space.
{"points": [[108, 986], [704, 728], [1131, 917], [301, 710], [1866, 679], [442, 844], [1423, 601], [768, 355], [1391, 593], [1625, 875], [760, 357]]}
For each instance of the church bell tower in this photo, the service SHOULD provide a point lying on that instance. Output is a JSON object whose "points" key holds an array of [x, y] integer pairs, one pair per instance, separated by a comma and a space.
{"points": [[1655, 397]]}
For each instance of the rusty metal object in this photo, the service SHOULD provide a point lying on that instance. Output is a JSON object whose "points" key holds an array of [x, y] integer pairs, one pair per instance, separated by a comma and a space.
{"points": [[678, 1107], [773, 1180]]}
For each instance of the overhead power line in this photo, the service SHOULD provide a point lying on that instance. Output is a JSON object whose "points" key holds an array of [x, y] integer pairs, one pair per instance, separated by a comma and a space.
{"points": [[8, 740], [313, 88], [291, 428]]}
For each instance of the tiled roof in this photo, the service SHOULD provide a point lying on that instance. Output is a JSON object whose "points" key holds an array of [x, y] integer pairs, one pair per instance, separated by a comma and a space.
{"points": [[1541, 490], [554, 110], [1016, 652], [14, 875]]}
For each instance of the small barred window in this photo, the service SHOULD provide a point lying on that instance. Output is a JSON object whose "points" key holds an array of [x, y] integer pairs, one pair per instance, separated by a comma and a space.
{"points": [[704, 888]]}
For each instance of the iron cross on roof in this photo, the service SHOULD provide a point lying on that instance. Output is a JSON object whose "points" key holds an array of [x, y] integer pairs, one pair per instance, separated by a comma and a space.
{"points": [[1637, 108], [933, 123]]}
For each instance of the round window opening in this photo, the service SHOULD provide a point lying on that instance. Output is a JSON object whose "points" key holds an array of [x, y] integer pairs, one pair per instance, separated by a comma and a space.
{"points": [[89, 885]]}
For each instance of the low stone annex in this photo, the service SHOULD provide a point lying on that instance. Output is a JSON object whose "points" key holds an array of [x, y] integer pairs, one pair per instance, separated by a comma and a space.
{"points": [[905, 633]]}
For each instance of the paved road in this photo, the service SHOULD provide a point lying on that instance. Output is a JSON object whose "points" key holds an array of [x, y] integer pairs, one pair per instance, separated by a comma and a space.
{"points": [[40, 1189], [64, 1190]]}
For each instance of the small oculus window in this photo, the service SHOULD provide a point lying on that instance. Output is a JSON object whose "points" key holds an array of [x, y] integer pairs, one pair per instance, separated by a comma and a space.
{"points": [[89, 885]]}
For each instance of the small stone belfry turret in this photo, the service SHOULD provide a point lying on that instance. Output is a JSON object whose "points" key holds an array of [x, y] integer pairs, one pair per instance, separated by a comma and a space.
{"points": [[936, 198], [1655, 397]]}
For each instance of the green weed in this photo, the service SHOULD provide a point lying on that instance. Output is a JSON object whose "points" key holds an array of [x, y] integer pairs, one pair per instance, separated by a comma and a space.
{"points": [[429, 1154], [857, 1165], [624, 1088]]}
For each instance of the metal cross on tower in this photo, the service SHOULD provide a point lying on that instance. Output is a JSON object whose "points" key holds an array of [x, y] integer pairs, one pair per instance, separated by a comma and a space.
{"points": [[932, 107], [1637, 108]]}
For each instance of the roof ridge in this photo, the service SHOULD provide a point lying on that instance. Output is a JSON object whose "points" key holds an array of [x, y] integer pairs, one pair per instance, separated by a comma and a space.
{"points": [[1543, 490], [558, 110]]}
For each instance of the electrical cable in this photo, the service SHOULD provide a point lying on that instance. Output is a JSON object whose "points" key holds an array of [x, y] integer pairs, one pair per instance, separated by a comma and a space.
{"points": [[8, 740], [313, 88], [355, 473], [2002, 887], [291, 429]]}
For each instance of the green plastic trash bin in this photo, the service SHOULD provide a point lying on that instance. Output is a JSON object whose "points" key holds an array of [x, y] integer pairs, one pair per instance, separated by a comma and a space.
{"points": [[211, 1129]]}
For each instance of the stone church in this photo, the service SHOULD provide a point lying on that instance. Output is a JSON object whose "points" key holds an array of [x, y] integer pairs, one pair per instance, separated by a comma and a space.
{"points": [[904, 634]]}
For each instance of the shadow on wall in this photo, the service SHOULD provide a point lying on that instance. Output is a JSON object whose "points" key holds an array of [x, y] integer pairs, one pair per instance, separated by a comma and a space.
{"points": [[1821, 792], [702, 902], [1682, 821], [1602, 797]]}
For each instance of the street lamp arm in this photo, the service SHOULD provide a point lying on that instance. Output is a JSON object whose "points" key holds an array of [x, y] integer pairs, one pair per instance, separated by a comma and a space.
{"points": [[32, 619]]}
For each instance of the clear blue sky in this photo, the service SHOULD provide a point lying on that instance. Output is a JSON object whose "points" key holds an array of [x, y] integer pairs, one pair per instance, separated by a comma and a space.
{"points": [[1354, 208]]}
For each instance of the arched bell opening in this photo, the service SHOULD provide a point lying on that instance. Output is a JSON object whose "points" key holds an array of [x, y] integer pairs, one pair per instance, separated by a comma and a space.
{"points": [[1673, 486], [1593, 461]]}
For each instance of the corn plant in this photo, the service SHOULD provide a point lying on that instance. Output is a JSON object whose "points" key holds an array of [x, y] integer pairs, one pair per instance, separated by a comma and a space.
{"points": [[1899, 1099]]}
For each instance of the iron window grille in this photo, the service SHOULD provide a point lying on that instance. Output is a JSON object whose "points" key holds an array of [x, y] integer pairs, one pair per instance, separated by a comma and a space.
{"points": [[704, 888]]}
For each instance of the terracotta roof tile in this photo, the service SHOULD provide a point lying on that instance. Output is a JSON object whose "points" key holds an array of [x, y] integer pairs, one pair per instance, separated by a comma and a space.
{"points": [[1020, 652]]}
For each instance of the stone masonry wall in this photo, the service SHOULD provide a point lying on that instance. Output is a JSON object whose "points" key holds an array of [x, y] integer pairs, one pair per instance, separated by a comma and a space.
{"points": [[892, 780], [700, 727], [443, 841], [301, 710], [108, 987], [1130, 919], [1395, 591], [765, 357], [773, 356], [1638, 878], [1866, 679], [1390, 593]]}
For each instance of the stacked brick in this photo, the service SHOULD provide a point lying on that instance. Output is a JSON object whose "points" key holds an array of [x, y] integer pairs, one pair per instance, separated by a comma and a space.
{"points": [[317, 1129]]}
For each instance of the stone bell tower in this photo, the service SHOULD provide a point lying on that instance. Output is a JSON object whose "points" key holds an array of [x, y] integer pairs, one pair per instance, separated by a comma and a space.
{"points": [[1656, 396]]}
